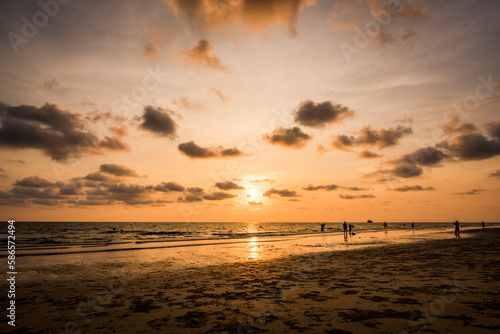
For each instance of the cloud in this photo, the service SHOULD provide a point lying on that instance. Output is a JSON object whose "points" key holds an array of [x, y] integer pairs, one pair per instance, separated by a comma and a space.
{"points": [[454, 126], [412, 188], [280, 192], [169, 186], [355, 188], [99, 177], [218, 93], [354, 196], [192, 150], [59, 134], [287, 137], [493, 129], [254, 203], [326, 187], [318, 115], [186, 104], [471, 192], [195, 190], [203, 15], [474, 146], [218, 196], [54, 85], [368, 155], [263, 180], [34, 182], [203, 55], [367, 136], [189, 199], [159, 122], [228, 185], [118, 170], [495, 174]]}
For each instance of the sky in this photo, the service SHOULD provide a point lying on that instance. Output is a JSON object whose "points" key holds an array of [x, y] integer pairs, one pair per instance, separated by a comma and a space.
{"points": [[240, 110]]}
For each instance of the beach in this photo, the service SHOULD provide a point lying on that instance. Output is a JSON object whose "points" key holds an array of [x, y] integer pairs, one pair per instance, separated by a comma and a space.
{"points": [[439, 284]]}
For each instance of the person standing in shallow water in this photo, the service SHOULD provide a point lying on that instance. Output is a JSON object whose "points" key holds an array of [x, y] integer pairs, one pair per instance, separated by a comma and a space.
{"points": [[323, 227], [345, 228], [457, 228], [482, 223]]}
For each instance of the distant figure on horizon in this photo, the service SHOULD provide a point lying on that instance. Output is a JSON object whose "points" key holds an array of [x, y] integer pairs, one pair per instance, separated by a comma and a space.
{"points": [[482, 223], [323, 227], [412, 225], [345, 228], [385, 225], [350, 229], [457, 228]]}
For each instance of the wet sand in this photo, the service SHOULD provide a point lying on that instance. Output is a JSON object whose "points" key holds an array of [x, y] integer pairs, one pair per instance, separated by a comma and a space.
{"points": [[443, 285]]}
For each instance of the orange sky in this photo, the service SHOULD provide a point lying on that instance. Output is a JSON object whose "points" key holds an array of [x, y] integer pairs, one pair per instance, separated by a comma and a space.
{"points": [[284, 110]]}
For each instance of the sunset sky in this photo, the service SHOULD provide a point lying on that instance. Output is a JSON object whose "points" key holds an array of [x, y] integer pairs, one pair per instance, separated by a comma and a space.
{"points": [[240, 110]]}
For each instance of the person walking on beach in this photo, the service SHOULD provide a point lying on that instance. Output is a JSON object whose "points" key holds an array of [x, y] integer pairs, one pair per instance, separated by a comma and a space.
{"points": [[323, 227], [412, 225], [350, 229], [482, 223], [457, 228], [385, 225], [345, 228]]}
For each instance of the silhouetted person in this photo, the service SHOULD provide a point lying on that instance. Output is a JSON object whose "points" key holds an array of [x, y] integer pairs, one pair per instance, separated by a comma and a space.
{"points": [[350, 229], [457, 228], [385, 225], [323, 227], [345, 228], [482, 223], [412, 225]]}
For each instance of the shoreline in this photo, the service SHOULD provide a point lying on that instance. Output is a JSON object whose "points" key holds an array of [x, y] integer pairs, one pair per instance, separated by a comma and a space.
{"points": [[435, 285]]}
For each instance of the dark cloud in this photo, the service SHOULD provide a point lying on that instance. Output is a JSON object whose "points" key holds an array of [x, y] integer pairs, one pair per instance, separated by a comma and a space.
{"points": [[256, 15], [189, 199], [470, 192], [495, 174], [412, 188], [62, 135], [56, 86], [169, 186], [455, 126], [318, 115], [326, 187], [192, 150], [354, 196], [159, 121], [280, 192], [367, 136], [34, 182], [228, 185], [203, 54], [218, 196], [428, 156], [474, 146], [355, 188], [117, 170], [74, 188], [195, 190], [493, 129], [287, 137], [99, 177], [368, 155]]}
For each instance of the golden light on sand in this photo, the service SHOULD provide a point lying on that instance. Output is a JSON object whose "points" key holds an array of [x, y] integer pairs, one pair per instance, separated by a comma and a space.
{"points": [[254, 249]]}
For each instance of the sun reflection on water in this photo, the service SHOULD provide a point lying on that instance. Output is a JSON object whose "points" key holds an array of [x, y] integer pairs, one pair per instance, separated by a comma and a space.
{"points": [[254, 249]]}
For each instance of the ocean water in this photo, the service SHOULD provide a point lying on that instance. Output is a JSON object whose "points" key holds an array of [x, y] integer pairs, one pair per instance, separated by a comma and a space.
{"points": [[38, 235]]}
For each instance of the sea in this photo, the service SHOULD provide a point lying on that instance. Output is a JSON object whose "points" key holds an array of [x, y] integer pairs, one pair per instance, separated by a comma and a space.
{"points": [[37, 235]]}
